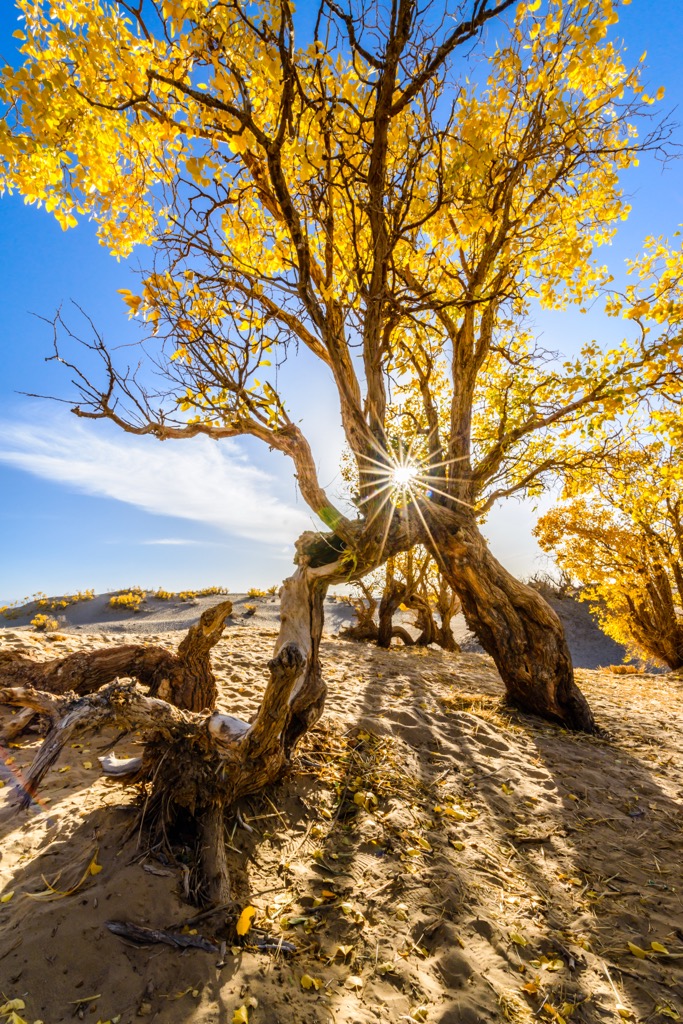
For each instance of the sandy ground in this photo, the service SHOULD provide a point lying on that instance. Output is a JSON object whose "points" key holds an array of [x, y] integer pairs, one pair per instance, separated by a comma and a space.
{"points": [[430, 855]]}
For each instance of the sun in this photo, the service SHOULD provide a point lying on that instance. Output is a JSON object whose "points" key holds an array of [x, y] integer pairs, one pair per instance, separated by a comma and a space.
{"points": [[404, 475]]}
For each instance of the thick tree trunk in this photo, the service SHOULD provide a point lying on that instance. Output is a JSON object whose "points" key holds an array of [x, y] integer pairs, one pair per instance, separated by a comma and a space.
{"points": [[513, 623], [185, 679]]}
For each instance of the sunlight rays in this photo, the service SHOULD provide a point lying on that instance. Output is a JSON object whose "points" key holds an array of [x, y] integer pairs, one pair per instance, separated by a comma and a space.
{"points": [[404, 479]]}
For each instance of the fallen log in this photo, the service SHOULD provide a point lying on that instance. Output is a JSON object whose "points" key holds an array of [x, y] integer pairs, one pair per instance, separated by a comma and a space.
{"points": [[184, 679]]}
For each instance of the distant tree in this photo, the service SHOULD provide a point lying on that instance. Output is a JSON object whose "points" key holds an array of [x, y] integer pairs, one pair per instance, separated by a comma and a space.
{"points": [[623, 542], [362, 194], [409, 580]]}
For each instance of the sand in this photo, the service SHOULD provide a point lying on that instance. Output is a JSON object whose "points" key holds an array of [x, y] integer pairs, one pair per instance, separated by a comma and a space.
{"points": [[430, 855]]}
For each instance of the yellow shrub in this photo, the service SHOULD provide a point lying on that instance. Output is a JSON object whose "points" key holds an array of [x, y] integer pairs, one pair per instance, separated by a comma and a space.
{"points": [[164, 595], [131, 600], [43, 623], [255, 592]]}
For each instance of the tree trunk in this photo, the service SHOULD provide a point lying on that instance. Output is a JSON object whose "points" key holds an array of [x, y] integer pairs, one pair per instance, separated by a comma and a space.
{"points": [[424, 620], [392, 597], [448, 605], [185, 679], [513, 623]]}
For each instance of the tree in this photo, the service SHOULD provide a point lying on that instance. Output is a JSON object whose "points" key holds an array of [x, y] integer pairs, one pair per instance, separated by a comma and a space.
{"points": [[352, 193], [623, 542], [408, 580]]}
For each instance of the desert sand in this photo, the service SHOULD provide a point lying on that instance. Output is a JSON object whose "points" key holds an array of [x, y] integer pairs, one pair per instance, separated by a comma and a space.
{"points": [[430, 855]]}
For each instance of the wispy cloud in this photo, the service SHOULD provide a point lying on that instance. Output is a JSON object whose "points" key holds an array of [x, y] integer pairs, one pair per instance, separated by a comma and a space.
{"points": [[200, 480], [175, 542]]}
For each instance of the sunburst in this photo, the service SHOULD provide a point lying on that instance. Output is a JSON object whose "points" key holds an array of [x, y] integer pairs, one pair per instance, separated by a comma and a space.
{"points": [[404, 479]]}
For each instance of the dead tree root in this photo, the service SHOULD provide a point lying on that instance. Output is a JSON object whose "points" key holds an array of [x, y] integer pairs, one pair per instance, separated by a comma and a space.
{"points": [[194, 763], [184, 679]]}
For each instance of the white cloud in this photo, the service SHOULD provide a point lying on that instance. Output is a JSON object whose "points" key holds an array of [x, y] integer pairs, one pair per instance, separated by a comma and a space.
{"points": [[175, 542], [201, 480]]}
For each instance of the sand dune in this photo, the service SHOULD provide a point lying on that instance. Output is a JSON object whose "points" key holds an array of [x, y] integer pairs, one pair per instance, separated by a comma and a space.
{"points": [[589, 646]]}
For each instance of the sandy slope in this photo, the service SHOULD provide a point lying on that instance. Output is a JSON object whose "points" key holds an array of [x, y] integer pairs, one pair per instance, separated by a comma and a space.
{"points": [[501, 874], [589, 646]]}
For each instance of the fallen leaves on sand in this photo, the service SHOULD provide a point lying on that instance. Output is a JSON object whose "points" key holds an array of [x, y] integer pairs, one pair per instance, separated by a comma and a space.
{"points": [[548, 963], [664, 1010], [241, 1015], [5, 899], [11, 1005], [8, 1010], [353, 981], [52, 893], [245, 919], [309, 982], [637, 951]]}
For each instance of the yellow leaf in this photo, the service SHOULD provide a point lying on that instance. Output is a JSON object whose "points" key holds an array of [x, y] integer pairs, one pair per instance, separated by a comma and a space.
{"points": [[367, 800], [623, 1011], [5, 899], [667, 1011], [94, 868], [507, 789], [353, 981], [244, 922], [240, 1016], [637, 951], [308, 982], [518, 939], [454, 812], [659, 948], [10, 1005], [87, 764]]}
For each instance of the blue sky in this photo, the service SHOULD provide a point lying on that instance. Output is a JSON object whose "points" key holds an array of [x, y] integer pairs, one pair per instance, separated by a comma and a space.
{"points": [[84, 505]]}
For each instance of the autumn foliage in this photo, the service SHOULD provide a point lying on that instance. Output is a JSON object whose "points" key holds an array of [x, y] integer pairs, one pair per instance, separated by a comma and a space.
{"points": [[623, 542]]}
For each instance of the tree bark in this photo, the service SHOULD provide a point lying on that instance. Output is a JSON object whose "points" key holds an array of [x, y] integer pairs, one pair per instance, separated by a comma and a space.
{"points": [[424, 620], [185, 679], [393, 596], [448, 605], [513, 623]]}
